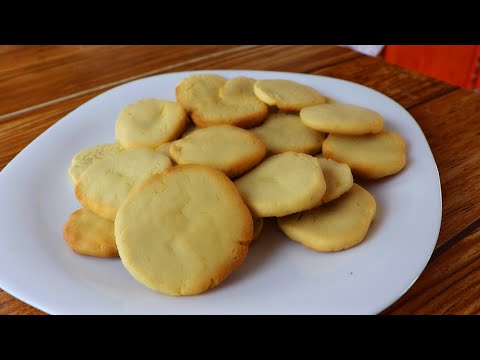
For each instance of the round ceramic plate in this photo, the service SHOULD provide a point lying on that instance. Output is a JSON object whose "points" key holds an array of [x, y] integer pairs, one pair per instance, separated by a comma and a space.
{"points": [[279, 276]]}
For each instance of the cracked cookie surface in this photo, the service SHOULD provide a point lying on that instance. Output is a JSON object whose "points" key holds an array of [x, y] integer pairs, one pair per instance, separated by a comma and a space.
{"points": [[213, 100], [183, 231], [150, 123], [83, 159]]}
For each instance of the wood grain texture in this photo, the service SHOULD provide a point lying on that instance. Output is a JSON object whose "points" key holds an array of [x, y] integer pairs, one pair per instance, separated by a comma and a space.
{"points": [[449, 285], [19, 130], [448, 117], [10, 305], [8, 49], [280, 58], [406, 87], [36, 74], [451, 124], [297, 58]]}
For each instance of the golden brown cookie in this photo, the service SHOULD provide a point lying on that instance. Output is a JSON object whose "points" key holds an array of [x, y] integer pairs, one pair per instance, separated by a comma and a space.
{"points": [[183, 231], [227, 148], [338, 178], [165, 150], [287, 95], [212, 100], [369, 156], [338, 225], [89, 234], [150, 123], [285, 132], [88, 156], [343, 119], [196, 90], [283, 184]]}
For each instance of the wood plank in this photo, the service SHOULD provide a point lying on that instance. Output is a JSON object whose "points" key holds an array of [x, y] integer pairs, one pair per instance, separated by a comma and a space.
{"points": [[406, 87], [21, 130], [36, 74], [18, 131], [450, 283], [296, 58], [281, 58], [451, 124], [458, 107], [12, 306], [8, 49]]}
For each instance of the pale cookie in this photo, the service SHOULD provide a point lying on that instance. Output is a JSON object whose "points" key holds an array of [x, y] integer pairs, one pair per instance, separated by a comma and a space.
{"points": [[183, 231], [227, 148], [343, 119], [212, 100], [338, 225], [338, 178], [87, 157], [196, 90], [369, 156], [285, 132], [89, 234], [283, 184], [239, 86], [104, 185], [165, 150], [257, 227], [150, 123], [287, 95]]}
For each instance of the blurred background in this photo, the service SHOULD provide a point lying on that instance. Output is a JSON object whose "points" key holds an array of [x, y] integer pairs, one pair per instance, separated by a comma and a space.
{"points": [[456, 64]]}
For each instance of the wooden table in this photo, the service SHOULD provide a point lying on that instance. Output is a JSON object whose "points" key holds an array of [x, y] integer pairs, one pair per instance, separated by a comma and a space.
{"points": [[41, 84]]}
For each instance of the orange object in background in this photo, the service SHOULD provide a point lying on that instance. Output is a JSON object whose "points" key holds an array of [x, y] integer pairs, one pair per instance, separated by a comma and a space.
{"points": [[456, 64], [476, 86]]}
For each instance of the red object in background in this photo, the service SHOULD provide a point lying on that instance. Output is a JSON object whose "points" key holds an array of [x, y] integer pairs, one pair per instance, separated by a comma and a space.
{"points": [[477, 75], [456, 64]]}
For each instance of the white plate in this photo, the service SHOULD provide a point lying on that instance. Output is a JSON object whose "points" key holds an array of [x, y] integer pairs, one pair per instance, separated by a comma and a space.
{"points": [[279, 276]]}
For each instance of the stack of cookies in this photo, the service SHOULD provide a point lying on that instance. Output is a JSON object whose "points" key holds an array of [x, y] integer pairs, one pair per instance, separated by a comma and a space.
{"points": [[183, 192]]}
